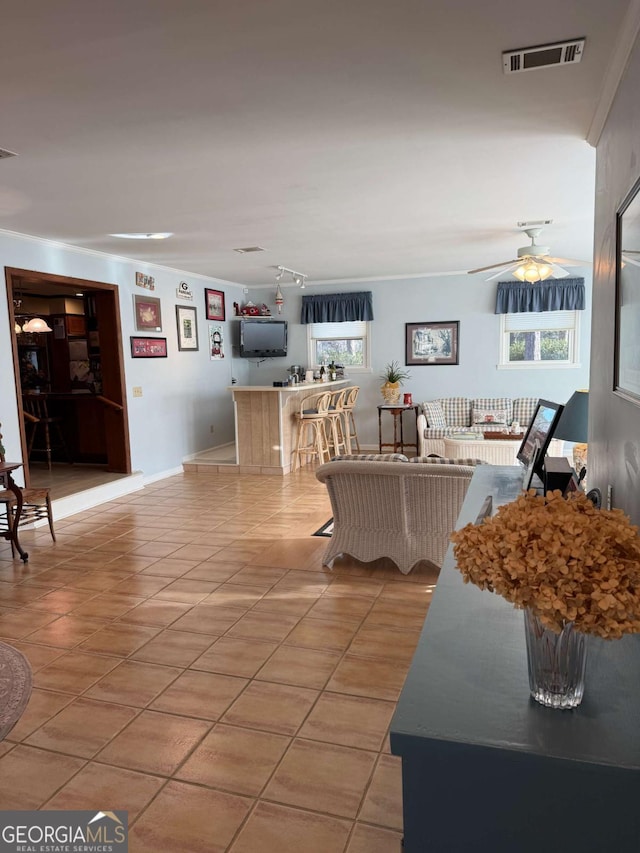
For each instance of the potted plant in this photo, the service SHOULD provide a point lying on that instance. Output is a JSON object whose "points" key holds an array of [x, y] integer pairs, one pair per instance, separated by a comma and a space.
{"points": [[393, 376]]}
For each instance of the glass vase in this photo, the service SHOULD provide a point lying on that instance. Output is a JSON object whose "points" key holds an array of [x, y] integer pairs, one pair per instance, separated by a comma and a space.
{"points": [[556, 663]]}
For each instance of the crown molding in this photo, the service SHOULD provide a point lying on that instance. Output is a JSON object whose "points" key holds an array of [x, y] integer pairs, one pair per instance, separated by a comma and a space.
{"points": [[625, 42], [80, 250]]}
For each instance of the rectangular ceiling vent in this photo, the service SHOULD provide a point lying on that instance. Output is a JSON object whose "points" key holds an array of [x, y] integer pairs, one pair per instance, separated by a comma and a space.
{"points": [[4, 154], [245, 250], [542, 56]]}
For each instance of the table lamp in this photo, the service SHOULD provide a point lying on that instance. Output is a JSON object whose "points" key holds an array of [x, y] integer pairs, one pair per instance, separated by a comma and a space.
{"points": [[573, 426]]}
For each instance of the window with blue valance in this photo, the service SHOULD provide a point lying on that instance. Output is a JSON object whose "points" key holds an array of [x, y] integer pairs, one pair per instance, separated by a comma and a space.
{"points": [[563, 294], [337, 307]]}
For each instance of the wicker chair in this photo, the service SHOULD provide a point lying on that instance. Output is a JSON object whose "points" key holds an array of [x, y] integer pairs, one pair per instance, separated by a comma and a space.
{"points": [[36, 506], [398, 510]]}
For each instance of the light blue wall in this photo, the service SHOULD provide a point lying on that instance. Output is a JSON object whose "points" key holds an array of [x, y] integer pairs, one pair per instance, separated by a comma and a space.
{"points": [[182, 395], [468, 299]]}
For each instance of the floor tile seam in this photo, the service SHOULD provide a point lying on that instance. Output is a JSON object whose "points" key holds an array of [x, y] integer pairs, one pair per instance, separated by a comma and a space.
{"points": [[70, 754], [314, 811], [165, 782], [155, 773], [368, 788], [72, 648], [50, 796]]}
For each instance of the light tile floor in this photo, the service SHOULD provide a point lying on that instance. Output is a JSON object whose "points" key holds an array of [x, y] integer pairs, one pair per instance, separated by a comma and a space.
{"points": [[196, 665]]}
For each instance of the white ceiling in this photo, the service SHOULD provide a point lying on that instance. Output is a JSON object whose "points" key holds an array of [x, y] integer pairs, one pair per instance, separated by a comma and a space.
{"points": [[351, 138]]}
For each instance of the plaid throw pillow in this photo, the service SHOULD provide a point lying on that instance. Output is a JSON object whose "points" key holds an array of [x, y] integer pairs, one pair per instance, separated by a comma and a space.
{"points": [[440, 460], [372, 457], [434, 413]]}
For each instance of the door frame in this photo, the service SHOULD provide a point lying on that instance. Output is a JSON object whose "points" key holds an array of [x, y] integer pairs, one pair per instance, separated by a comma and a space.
{"points": [[13, 275]]}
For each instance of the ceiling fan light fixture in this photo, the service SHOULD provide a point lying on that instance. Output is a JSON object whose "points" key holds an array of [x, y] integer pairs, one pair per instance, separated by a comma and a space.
{"points": [[531, 271]]}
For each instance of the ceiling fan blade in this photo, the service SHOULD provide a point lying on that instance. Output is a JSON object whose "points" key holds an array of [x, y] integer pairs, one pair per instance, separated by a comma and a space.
{"points": [[628, 260], [560, 272], [630, 252], [571, 262], [501, 272], [493, 266]]}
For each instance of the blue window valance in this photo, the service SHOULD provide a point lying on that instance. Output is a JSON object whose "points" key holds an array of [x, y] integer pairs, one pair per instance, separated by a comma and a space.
{"points": [[337, 307], [554, 294]]}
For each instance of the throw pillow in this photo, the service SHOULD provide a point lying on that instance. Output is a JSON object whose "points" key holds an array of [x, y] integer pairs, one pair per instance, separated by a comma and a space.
{"points": [[371, 457], [490, 416], [434, 414]]}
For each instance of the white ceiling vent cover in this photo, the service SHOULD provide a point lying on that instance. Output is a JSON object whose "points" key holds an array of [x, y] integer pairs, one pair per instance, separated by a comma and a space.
{"points": [[4, 154], [542, 56]]}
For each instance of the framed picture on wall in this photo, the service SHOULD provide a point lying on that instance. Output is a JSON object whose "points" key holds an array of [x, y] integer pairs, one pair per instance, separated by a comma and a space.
{"points": [[148, 347], [432, 343], [148, 317], [627, 337], [187, 321], [214, 302]]}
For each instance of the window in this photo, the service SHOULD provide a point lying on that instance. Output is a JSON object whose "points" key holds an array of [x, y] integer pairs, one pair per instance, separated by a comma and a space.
{"points": [[545, 339], [343, 343]]}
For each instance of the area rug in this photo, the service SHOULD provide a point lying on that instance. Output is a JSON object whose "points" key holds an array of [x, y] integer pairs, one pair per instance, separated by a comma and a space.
{"points": [[325, 530], [15, 687]]}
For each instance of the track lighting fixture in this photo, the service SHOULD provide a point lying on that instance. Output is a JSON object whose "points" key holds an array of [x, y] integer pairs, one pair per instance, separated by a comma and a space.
{"points": [[298, 278]]}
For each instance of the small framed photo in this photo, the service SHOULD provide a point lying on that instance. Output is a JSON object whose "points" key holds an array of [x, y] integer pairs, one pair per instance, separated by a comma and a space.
{"points": [[147, 313], [187, 320], [432, 343], [627, 327], [146, 281], [214, 303], [216, 343], [148, 347]]}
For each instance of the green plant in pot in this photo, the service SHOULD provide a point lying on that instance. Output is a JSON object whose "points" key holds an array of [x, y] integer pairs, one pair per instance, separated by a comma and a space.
{"points": [[394, 377]]}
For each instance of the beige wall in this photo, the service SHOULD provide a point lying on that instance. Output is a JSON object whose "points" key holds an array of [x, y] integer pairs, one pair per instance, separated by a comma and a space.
{"points": [[614, 423]]}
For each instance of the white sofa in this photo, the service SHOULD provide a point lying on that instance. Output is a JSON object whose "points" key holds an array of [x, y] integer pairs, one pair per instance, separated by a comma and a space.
{"points": [[466, 416]]}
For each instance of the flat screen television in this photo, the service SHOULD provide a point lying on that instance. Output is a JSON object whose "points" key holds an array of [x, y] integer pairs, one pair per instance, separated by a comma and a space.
{"points": [[262, 338], [538, 435]]}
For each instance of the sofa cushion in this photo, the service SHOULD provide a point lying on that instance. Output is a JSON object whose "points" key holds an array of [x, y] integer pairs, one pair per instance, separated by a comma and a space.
{"points": [[523, 409], [434, 414], [440, 460], [495, 404], [371, 457], [489, 416], [457, 411]]}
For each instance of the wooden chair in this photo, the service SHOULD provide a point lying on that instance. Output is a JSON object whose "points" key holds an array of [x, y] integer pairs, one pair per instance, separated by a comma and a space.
{"points": [[335, 415], [36, 506], [37, 414], [348, 405], [312, 420]]}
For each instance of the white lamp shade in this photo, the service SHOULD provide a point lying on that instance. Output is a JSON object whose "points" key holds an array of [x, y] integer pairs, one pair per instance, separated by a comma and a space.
{"points": [[37, 324]]}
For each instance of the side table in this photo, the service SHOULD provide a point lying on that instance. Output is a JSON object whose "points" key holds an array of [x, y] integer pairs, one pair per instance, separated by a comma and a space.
{"points": [[7, 481], [398, 443]]}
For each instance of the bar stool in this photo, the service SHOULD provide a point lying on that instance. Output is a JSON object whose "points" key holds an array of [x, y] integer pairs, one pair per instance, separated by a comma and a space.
{"points": [[335, 417], [35, 406], [312, 434], [348, 405]]}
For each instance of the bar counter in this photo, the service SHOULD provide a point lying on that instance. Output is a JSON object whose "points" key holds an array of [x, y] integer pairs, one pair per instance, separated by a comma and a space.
{"points": [[265, 423]]}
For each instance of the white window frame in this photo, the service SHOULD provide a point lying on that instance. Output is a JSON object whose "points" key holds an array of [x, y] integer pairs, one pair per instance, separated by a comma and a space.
{"points": [[574, 344], [349, 368]]}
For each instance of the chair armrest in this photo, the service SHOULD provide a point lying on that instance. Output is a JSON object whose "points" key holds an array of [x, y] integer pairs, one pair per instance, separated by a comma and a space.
{"points": [[421, 425]]}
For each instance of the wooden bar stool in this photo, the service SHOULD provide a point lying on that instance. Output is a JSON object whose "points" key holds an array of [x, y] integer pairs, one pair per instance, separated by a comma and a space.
{"points": [[335, 417], [312, 439], [35, 406], [348, 405]]}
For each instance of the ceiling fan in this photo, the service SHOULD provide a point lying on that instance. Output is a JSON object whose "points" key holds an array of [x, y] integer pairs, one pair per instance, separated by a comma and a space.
{"points": [[534, 262]]}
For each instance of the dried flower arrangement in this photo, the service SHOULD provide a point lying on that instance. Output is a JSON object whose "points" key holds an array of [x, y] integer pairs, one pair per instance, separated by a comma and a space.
{"points": [[564, 559]]}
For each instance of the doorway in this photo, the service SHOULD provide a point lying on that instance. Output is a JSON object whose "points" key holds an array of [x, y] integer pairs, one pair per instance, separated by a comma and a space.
{"points": [[71, 375]]}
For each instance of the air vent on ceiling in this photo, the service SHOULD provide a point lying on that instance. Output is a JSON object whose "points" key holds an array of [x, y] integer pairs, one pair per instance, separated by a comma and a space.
{"points": [[4, 154], [542, 56], [247, 249]]}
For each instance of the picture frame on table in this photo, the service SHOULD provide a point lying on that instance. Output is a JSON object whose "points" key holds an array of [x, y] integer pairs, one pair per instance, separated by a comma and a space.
{"points": [[187, 322], [214, 304], [430, 344], [148, 347], [627, 317], [147, 313]]}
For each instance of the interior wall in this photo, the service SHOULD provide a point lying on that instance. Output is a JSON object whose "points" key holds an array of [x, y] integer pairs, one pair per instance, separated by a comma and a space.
{"points": [[468, 299], [183, 395], [614, 423]]}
